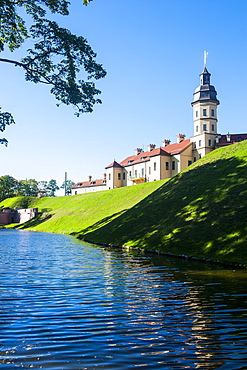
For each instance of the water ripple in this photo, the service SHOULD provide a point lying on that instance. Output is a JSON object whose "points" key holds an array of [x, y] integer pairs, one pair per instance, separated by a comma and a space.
{"points": [[70, 305]]}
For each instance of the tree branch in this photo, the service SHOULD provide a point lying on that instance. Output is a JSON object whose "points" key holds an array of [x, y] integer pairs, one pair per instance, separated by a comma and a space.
{"points": [[28, 70]]}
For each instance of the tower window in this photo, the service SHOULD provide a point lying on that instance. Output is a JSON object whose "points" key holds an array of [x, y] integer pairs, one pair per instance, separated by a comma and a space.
{"points": [[204, 112], [124, 176], [167, 165], [212, 112], [204, 127], [154, 166], [109, 176], [119, 176], [212, 127], [200, 143], [196, 113], [196, 128], [209, 142], [173, 165]]}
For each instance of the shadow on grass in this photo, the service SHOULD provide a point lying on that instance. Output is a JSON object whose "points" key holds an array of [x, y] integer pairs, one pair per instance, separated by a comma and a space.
{"points": [[97, 225], [34, 222], [202, 212]]}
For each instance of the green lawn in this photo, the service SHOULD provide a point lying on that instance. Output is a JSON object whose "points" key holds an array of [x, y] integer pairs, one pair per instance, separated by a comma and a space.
{"points": [[201, 212]]}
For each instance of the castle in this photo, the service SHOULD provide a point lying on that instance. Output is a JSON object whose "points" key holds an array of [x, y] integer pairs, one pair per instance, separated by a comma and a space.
{"points": [[166, 161]]}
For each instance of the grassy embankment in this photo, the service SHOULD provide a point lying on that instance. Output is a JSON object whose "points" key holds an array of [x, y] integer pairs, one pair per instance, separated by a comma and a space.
{"points": [[201, 212]]}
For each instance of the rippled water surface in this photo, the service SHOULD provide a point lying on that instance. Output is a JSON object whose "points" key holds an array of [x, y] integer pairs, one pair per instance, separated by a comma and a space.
{"points": [[70, 305]]}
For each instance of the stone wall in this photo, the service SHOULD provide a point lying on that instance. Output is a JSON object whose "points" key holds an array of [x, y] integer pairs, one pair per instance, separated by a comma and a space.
{"points": [[17, 215]]}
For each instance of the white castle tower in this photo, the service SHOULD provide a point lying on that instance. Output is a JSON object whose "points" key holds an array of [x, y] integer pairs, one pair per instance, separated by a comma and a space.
{"points": [[204, 115]]}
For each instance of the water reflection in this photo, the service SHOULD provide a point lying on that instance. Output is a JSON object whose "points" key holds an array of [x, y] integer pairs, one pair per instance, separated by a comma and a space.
{"points": [[69, 305]]}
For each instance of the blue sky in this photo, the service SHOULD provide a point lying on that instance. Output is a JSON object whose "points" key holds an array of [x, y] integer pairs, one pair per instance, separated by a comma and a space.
{"points": [[153, 54]]}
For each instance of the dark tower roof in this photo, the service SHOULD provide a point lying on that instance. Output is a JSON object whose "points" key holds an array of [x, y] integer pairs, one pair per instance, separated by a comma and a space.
{"points": [[113, 164], [205, 92]]}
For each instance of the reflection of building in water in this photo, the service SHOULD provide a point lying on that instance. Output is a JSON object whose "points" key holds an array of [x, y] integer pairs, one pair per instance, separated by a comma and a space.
{"points": [[157, 163], [204, 332]]}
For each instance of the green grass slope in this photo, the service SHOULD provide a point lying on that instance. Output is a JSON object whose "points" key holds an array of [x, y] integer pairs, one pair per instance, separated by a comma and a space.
{"points": [[201, 212], [81, 213]]}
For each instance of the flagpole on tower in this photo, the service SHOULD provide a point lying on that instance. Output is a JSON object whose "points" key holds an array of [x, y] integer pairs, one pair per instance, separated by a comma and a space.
{"points": [[205, 58]]}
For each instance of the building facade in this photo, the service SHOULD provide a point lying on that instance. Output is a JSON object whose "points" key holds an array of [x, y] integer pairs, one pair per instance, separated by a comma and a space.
{"points": [[166, 161]]}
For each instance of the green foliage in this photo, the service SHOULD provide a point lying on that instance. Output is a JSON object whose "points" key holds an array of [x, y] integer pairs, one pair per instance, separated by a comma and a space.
{"points": [[52, 187], [200, 212], [10, 187], [67, 185], [5, 120], [42, 185], [57, 56], [7, 187], [29, 187]]}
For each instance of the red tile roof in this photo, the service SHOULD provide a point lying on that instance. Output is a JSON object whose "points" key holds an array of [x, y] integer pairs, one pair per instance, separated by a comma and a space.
{"points": [[91, 183], [167, 150], [178, 147]]}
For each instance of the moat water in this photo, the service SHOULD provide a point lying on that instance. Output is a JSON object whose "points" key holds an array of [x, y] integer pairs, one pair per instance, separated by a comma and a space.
{"points": [[66, 304]]}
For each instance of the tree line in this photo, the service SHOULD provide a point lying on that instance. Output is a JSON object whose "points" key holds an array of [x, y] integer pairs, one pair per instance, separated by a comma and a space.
{"points": [[10, 187]]}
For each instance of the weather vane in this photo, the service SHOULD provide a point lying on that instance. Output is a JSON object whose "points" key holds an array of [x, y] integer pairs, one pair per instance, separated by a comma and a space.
{"points": [[205, 57]]}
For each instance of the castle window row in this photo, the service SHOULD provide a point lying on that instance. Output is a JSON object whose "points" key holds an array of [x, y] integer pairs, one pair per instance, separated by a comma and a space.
{"points": [[204, 113], [204, 127]]}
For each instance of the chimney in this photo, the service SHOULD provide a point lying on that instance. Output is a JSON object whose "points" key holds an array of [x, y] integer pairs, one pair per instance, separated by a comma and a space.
{"points": [[217, 139], [180, 138], [89, 178], [151, 147], [166, 142], [138, 151]]}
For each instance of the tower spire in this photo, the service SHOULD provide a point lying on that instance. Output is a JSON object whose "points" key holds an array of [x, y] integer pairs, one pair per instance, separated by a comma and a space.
{"points": [[205, 58]]}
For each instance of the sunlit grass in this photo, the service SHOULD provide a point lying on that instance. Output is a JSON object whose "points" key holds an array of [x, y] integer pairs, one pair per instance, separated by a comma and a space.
{"points": [[201, 212]]}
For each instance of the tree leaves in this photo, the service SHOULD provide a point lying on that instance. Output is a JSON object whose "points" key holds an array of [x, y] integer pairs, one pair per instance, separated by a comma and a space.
{"points": [[6, 119], [57, 58]]}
